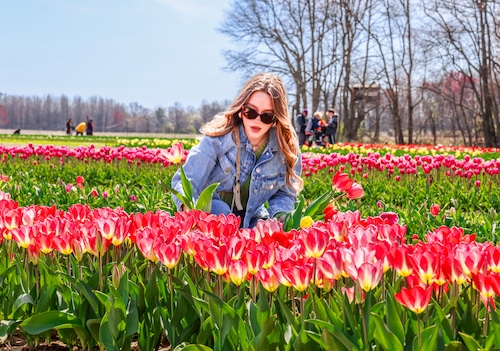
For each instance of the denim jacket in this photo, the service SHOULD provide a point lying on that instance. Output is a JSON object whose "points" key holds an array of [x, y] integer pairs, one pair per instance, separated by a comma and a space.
{"points": [[213, 160]]}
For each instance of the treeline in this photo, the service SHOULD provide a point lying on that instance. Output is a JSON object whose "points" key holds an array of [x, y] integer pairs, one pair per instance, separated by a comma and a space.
{"points": [[408, 66], [52, 112]]}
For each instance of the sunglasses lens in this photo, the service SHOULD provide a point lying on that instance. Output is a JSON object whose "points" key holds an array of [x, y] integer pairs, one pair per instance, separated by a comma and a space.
{"points": [[250, 113], [267, 118]]}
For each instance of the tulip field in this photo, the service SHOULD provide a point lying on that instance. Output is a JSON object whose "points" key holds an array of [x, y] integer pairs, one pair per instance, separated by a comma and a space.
{"points": [[389, 248]]}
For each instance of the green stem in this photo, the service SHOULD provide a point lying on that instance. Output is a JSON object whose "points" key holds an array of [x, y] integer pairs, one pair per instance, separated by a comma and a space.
{"points": [[99, 268], [171, 284], [419, 333]]}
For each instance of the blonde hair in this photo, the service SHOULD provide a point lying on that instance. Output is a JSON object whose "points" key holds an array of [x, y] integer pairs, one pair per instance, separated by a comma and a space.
{"points": [[287, 138]]}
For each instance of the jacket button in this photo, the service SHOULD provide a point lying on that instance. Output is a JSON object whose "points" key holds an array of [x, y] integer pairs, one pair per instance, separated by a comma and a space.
{"points": [[272, 186], [257, 170], [255, 191]]}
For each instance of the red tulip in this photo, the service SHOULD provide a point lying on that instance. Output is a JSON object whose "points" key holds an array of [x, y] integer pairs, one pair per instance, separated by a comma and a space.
{"points": [[330, 264], [341, 181], [299, 274], [425, 264], [254, 259], [315, 241], [487, 285], [146, 241], [435, 209], [416, 299], [369, 275], [269, 279], [216, 258], [238, 272], [452, 270], [168, 253], [472, 259], [12, 219], [79, 181], [399, 258], [24, 236], [63, 242], [330, 211]]}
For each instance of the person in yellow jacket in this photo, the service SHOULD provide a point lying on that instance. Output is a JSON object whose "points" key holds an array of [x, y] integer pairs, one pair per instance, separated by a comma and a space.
{"points": [[80, 128]]}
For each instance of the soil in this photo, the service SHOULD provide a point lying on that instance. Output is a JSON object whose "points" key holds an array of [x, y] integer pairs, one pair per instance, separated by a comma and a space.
{"points": [[17, 343]]}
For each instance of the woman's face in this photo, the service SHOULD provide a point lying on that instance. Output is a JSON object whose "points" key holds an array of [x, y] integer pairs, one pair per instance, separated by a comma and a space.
{"points": [[255, 129]]}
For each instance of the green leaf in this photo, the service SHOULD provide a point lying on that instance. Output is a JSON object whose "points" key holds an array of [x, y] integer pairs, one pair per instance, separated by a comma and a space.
{"points": [[444, 319], [495, 326], [318, 205], [383, 335], [186, 186], [204, 202], [6, 327], [292, 219], [430, 338], [393, 319], [87, 292], [187, 202], [22, 300], [290, 318], [341, 338], [469, 341], [333, 342], [192, 347], [49, 320]]}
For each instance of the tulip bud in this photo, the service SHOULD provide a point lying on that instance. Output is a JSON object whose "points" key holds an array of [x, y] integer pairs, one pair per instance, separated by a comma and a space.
{"points": [[435, 209], [117, 274], [306, 222]]}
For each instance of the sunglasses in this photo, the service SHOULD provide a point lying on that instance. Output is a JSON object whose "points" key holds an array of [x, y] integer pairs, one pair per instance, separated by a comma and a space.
{"points": [[250, 113]]}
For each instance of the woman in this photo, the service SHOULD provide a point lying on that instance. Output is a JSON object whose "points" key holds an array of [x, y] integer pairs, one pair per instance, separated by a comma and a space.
{"points": [[252, 151], [69, 126]]}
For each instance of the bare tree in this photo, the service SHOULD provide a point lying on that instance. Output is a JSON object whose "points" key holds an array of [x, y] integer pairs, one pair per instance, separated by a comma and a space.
{"points": [[463, 32], [295, 38]]}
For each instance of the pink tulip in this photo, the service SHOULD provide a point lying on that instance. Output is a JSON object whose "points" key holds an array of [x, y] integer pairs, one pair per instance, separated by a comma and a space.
{"points": [[416, 299], [355, 192], [175, 153]]}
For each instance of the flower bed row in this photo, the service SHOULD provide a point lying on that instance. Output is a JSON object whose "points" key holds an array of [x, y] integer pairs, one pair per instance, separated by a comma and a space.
{"points": [[103, 276]]}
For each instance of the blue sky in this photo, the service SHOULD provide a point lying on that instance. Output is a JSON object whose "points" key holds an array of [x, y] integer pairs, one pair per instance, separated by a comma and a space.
{"points": [[153, 52]]}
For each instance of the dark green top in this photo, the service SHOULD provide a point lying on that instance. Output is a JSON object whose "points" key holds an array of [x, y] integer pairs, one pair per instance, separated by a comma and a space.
{"points": [[227, 196]]}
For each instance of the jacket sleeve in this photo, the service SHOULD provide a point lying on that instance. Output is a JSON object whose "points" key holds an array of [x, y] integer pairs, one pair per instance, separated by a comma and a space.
{"points": [[284, 199], [199, 164]]}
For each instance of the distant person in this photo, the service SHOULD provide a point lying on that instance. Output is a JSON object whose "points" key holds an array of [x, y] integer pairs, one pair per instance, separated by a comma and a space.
{"points": [[17, 131], [317, 129], [331, 128], [311, 127], [69, 126], [301, 126], [80, 128], [90, 127]]}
